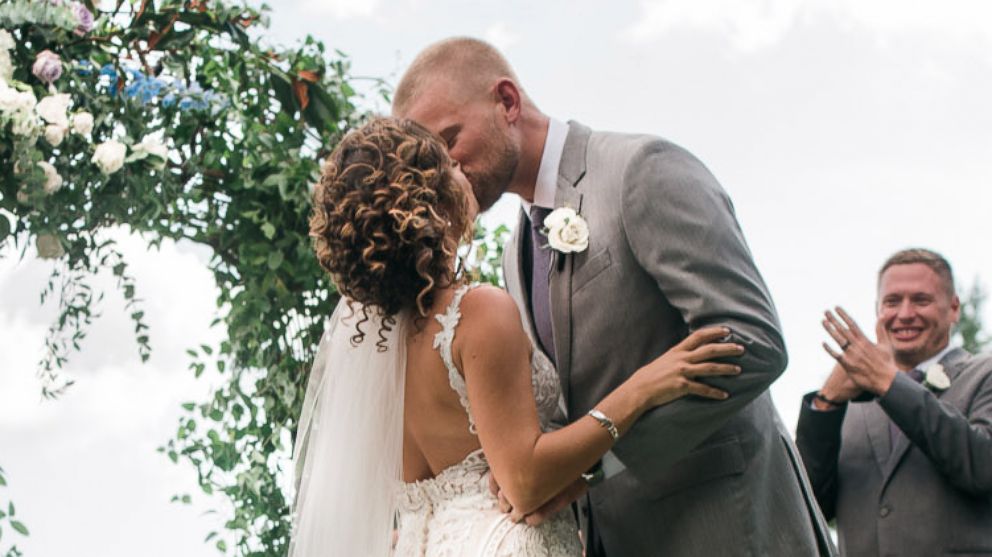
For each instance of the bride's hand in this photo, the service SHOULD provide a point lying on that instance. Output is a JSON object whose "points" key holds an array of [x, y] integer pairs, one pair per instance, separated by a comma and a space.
{"points": [[673, 374]]}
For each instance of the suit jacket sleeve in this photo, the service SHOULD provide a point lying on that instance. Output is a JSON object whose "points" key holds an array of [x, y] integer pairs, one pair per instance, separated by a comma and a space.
{"points": [[682, 230], [818, 438], [958, 445]]}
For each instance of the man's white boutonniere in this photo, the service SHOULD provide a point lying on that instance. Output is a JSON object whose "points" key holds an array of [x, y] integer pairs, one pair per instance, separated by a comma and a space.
{"points": [[567, 231], [936, 379]]}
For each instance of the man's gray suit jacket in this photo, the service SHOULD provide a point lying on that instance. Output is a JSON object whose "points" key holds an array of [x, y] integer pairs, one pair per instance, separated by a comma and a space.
{"points": [[930, 494], [667, 257]]}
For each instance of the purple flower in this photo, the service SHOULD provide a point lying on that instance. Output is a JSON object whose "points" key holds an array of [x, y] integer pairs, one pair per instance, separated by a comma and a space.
{"points": [[47, 66], [84, 18]]}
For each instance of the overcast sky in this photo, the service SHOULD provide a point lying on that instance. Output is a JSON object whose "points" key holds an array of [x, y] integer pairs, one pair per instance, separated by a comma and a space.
{"points": [[843, 130]]}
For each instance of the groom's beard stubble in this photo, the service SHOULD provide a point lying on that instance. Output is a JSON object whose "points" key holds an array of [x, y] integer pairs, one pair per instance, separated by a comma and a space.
{"points": [[492, 180]]}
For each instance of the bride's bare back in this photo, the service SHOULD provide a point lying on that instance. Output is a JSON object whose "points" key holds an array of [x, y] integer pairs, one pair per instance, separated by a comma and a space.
{"points": [[435, 426]]}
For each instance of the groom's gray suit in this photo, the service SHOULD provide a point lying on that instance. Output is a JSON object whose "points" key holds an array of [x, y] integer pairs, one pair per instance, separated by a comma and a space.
{"points": [[666, 257]]}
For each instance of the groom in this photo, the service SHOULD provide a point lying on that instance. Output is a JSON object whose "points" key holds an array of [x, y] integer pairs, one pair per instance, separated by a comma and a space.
{"points": [[665, 256]]}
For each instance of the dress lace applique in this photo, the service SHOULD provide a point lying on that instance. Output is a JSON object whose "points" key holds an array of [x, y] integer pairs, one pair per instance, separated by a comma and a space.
{"points": [[443, 341]]}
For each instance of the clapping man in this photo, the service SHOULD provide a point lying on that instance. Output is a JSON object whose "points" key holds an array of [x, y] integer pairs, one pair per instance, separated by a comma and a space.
{"points": [[898, 442]]}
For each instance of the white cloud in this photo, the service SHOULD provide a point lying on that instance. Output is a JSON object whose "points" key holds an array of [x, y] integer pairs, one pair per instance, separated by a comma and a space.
{"points": [[88, 459], [747, 24], [501, 36], [754, 24], [340, 9]]}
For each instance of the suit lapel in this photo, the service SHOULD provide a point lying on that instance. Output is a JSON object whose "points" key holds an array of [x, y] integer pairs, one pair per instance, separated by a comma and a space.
{"points": [[877, 426], [513, 273], [954, 362], [570, 172]]}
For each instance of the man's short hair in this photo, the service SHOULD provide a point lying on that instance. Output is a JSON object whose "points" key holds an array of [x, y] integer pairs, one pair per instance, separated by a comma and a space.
{"points": [[923, 256], [471, 62]]}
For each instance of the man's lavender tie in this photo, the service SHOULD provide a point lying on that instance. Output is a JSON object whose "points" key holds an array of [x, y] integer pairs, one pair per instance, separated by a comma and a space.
{"points": [[540, 299]]}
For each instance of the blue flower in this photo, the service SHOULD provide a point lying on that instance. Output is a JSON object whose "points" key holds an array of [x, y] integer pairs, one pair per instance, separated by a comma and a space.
{"points": [[132, 89], [109, 70], [169, 100], [84, 67], [150, 89]]}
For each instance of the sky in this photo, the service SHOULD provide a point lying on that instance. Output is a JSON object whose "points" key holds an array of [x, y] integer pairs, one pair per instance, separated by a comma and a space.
{"points": [[843, 130]]}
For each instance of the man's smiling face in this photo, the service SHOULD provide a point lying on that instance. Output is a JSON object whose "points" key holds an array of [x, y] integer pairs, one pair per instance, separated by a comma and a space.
{"points": [[916, 310]]}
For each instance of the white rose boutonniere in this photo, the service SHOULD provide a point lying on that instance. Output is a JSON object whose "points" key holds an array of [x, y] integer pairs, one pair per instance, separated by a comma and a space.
{"points": [[936, 379], [567, 231]]}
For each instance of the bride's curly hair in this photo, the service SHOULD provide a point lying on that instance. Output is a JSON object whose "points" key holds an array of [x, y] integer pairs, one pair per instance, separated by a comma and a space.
{"points": [[388, 218]]}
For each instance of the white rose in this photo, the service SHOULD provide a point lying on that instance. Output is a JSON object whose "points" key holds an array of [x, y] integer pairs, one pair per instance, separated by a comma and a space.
{"points": [[54, 134], [559, 217], [151, 146], [54, 108], [49, 246], [109, 156], [25, 103], [6, 40], [82, 123], [53, 182], [8, 98], [25, 125], [936, 378], [6, 66], [567, 231], [13, 101]]}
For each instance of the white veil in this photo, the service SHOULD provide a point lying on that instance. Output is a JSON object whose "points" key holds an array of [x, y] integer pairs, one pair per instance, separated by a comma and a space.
{"points": [[349, 447]]}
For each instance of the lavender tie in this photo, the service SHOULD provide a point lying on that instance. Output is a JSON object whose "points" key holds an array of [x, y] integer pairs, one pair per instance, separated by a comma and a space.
{"points": [[540, 299], [894, 432]]}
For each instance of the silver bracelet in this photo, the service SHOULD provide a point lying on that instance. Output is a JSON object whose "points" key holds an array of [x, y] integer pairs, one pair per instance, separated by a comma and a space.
{"points": [[607, 423]]}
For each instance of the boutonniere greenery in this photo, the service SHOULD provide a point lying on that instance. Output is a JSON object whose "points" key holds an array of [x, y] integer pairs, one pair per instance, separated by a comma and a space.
{"points": [[936, 378], [567, 231]]}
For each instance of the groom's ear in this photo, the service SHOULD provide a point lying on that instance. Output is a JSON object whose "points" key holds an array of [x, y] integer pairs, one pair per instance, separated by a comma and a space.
{"points": [[508, 97]]}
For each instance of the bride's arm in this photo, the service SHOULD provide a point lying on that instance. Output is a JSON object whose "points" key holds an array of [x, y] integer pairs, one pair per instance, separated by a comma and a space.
{"points": [[531, 467]]}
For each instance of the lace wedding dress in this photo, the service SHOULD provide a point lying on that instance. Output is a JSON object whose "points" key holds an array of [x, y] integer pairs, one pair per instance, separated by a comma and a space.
{"points": [[454, 514]]}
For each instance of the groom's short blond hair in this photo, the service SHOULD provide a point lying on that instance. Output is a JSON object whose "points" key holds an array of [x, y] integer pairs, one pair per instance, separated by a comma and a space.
{"points": [[470, 65]]}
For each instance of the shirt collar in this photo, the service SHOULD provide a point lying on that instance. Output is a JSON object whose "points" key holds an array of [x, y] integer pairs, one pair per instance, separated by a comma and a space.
{"points": [[547, 173], [935, 359]]}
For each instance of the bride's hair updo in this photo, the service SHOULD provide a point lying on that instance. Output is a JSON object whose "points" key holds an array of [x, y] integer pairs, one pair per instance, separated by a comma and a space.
{"points": [[388, 217]]}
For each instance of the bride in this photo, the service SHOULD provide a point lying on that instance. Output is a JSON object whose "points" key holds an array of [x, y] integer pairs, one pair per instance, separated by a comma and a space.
{"points": [[424, 386]]}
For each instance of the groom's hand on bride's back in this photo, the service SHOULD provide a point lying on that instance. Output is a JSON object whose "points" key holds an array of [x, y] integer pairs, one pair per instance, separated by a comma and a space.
{"points": [[569, 495]]}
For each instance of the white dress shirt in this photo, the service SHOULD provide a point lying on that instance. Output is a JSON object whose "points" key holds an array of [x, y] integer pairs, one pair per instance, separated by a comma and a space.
{"points": [[547, 174]]}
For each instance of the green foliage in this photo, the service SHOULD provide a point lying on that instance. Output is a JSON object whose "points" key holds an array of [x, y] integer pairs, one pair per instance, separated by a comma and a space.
{"points": [[243, 126], [484, 261], [969, 329], [8, 515], [222, 135]]}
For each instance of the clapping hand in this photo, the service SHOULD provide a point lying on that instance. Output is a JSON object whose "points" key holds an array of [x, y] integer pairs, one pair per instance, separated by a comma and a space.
{"points": [[870, 366]]}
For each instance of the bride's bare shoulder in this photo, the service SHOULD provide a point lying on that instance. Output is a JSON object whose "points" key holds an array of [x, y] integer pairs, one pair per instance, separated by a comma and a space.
{"points": [[490, 313]]}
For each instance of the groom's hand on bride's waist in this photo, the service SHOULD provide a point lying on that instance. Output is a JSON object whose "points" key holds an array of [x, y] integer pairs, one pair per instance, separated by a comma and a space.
{"points": [[565, 498]]}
